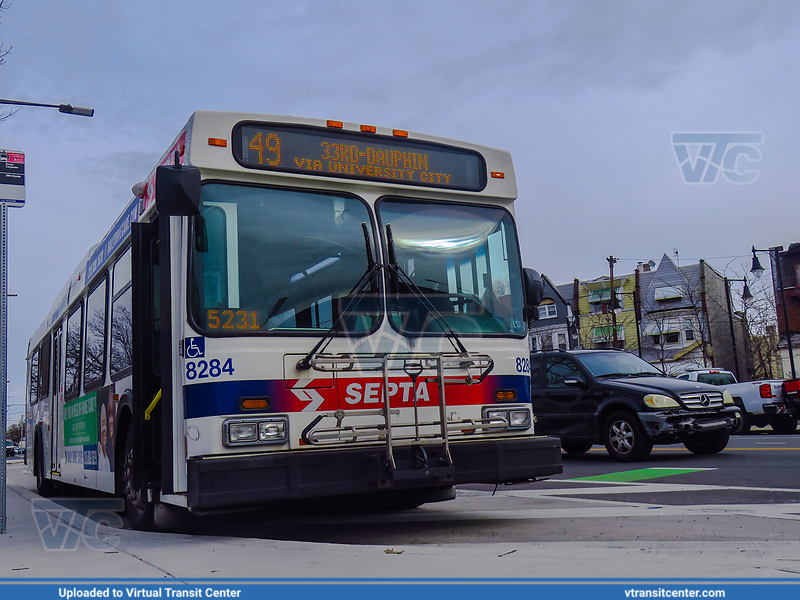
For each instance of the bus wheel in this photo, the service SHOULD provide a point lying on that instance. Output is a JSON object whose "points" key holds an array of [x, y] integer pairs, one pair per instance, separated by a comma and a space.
{"points": [[44, 487], [140, 512]]}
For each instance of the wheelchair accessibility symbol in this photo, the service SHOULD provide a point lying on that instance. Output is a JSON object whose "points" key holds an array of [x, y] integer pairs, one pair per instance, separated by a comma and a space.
{"points": [[195, 347]]}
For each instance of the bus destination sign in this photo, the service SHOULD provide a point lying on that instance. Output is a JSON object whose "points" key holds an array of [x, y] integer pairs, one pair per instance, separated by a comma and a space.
{"points": [[316, 151]]}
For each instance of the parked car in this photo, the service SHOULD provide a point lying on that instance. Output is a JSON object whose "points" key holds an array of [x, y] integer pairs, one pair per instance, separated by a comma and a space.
{"points": [[761, 402], [609, 397], [10, 448]]}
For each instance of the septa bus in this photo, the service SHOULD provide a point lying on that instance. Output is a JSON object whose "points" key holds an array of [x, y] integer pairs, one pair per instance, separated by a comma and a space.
{"points": [[294, 308]]}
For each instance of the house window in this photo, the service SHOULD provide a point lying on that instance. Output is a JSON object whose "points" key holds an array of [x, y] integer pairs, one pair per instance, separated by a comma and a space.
{"points": [[606, 334], [688, 330], [547, 309], [670, 337], [600, 300], [668, 294], [562, 341]]}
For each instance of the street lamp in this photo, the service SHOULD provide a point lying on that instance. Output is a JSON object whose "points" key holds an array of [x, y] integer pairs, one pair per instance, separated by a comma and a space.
{"points": [[757, 270], [66, 109], [746, 296]]}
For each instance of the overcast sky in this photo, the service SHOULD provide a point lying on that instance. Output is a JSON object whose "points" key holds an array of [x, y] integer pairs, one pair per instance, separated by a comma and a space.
{"points": [[585, 95]]}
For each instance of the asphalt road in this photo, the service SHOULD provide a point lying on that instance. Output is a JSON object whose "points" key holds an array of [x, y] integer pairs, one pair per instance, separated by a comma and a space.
{"points": [[733, 514], [750, 491]]}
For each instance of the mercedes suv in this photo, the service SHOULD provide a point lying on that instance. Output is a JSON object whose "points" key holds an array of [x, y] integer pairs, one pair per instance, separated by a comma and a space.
{"points": [[609, 397]]}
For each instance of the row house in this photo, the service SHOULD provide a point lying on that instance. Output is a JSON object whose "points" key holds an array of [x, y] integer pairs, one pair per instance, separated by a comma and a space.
{"points": [[789, 296], [675, 317], [555, 327]]}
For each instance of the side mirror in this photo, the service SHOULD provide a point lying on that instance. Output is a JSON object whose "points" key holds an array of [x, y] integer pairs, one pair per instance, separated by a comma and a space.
{"points": [[534, 291], [575, 381], [178, 191]]}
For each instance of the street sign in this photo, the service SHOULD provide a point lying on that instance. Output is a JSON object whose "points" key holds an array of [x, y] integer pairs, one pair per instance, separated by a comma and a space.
{"points": [[12, 178]]}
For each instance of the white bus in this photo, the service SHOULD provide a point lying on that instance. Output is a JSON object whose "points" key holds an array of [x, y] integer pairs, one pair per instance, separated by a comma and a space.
{"points": [[293, 308]]}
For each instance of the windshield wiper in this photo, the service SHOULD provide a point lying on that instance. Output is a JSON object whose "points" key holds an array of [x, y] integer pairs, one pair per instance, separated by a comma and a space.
{"points": [[419, 294], [358, 291], [617, 375]]}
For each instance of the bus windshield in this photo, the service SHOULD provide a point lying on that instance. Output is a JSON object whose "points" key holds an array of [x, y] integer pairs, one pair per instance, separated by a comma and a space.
{"points": [[463, 258], [276, 260]]}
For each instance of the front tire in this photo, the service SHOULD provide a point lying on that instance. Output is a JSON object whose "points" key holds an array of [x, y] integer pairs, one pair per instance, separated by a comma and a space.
{"points": [[141, 513], [576, 447], [45, 487], [784, 425], [625, 438], [709, 443], [745, 423]]}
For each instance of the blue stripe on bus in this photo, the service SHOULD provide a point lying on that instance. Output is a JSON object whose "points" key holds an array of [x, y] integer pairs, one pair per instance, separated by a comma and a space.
{"points": [[222, 397]]}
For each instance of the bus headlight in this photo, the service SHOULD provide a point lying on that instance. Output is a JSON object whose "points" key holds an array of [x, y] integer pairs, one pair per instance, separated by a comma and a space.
{"points": [[270, 431], [517, 418], [727, 399], [263, 430]]}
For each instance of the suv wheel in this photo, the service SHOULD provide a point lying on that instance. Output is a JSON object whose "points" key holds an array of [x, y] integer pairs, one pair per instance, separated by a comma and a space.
{"points": [[745, 423], [625, 438]]}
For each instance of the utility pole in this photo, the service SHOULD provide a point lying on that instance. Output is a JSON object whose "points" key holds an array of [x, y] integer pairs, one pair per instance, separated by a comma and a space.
{"points": [[613, 298], [12, 193]]}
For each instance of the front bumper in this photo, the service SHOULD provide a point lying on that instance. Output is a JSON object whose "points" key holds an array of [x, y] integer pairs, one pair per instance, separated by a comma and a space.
{"points": [[677, 425], [244, 480]]}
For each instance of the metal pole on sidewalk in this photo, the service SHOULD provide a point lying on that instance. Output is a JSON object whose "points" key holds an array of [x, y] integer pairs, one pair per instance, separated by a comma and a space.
{"points": [[14, 180], [3, 369]]}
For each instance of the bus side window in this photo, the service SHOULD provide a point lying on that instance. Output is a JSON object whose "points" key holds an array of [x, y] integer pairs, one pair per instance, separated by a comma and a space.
{"points": [[33, 388], [72, 362], [44, 368], [121, 318], [57, 360], [94, 360]]}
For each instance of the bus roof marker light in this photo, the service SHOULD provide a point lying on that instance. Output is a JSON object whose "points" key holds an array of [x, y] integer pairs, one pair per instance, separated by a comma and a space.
{"points": [[399, 133], [498, 175], [369, 129], [218, 142], [336, 124], [140, 189]]}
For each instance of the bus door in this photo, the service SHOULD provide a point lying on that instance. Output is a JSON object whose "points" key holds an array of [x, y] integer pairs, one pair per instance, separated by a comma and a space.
{"points": [[56, 429], [147, 320]]}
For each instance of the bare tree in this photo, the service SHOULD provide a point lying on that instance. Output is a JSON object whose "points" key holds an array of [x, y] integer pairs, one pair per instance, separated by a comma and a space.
{"points": [[3, 54]]}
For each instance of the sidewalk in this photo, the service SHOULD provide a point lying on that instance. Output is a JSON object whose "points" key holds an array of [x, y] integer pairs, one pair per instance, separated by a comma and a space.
{"points": [[133, 555]]}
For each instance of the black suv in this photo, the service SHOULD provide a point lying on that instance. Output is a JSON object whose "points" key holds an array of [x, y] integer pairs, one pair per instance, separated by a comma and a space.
{"points": [[610, 397]]}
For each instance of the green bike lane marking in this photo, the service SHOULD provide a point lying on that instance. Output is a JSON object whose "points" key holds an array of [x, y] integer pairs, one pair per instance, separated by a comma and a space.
{"points": [[640, 474]]}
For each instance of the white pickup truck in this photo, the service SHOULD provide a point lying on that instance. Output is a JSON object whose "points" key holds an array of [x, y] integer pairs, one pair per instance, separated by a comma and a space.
{"points": [[761, 401]]}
